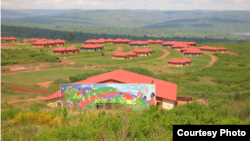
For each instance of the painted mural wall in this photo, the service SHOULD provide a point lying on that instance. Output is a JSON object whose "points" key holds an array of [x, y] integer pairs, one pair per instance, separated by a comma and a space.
{"points": [[106, 96]]}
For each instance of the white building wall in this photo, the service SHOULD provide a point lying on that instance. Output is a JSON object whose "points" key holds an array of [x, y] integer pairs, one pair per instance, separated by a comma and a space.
{"points": [[167, 104]]}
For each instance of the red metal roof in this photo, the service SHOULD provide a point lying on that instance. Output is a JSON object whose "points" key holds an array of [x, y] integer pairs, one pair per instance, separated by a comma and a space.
{"points": [[39, 43], [72, 48], [100, 41], [118, 40], [159, 41], [212, 48], [12, 38], [179, 60], [120, 54], [133, 43], [50, 41], [169, 43], [163, 89], [59, 49], [109, 40], [99, 46], [126, 40], [25, 40], [88, 46], [193, 50], [131, 53]]}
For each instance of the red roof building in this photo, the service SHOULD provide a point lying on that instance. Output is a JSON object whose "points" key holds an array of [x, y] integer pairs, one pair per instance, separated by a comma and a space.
{"points": [[10, 39], [126, 41], [166, 92], [25, 40], [151, 41], [212, 49], [120, 56], [143, 52], [60, 50], [158, 41], [138, 44], [39, 44], [193, 52], [51, 43], [59, 42], [132, 55], [90, 47], [44, 40], [168, 43], [109, 41], [118, 41], [179, 62], [72, 50]]}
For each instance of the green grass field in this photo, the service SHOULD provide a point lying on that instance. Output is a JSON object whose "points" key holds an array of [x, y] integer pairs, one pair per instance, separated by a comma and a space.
{"points": [[41, 76], [102, 60]]}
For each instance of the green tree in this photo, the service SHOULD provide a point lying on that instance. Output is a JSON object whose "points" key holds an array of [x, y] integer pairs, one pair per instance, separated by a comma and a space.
{"points": [[70, 36]]}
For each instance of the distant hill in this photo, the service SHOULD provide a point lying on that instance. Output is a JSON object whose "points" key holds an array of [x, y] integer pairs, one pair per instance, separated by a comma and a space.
{"points": [[225, 21], [109, 18], [12, 14]]}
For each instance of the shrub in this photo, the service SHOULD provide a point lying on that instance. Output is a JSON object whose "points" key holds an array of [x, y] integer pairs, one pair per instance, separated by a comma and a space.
{"points": [[102, 54], [44, 119], [11, 113]]}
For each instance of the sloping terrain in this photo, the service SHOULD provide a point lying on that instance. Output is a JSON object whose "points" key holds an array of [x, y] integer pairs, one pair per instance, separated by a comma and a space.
{"points": [[225, 22]]}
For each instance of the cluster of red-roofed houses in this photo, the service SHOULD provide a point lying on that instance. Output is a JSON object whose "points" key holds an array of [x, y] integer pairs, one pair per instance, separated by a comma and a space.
{"points": [[8, 39], [45, 42], [132, 54]]}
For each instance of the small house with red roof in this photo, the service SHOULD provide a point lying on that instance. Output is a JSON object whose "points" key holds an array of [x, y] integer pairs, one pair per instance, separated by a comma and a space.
{"points": [[132, 55], [60, 50], [138, 44], [43, 39], [109, 41], [158, 41], [72, 50], [143, 52], [100, 41], [168, 43], [39, 44], [120, 56], [25, 40], [51, 43], [179, 46], [193, 52], [126, 41], [151, 41], [119, 41], [59, 42], [10, 39], [166, 92], [191, 43], [90, 47], [213, 49], [179, 62]]}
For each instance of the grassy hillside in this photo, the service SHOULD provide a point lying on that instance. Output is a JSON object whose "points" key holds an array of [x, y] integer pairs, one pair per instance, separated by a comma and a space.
{"points": [[225, 22], [82, 33], [109, 18]]}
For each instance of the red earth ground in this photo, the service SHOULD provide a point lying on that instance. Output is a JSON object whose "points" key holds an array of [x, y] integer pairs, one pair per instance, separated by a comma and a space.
{"points": [[44, 84], [30, 90], [32, 99]]}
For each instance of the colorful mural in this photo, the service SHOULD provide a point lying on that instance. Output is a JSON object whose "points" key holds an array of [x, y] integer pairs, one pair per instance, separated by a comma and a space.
{"points": [[105, 96]]}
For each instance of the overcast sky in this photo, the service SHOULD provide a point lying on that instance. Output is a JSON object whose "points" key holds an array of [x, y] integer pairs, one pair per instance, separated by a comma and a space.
{"points": [[128, 4]]}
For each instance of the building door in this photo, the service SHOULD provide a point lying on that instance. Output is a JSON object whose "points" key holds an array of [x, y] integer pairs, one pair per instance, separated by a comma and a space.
{"points": [[99, 106], [108, 106]]}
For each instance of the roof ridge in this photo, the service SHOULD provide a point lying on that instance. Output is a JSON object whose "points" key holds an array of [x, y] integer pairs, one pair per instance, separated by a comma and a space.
{"points": [[114, 74]]}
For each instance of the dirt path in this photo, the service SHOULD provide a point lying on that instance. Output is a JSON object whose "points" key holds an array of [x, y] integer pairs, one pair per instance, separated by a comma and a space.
{"points": [[44, 84], [32, 99], [66, 61], [232, 53], [166, 53], [8, 47], [214, 59]]}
